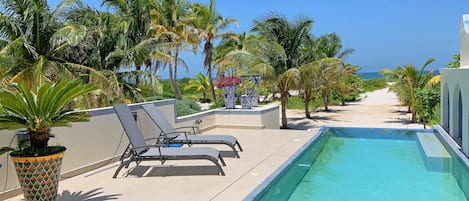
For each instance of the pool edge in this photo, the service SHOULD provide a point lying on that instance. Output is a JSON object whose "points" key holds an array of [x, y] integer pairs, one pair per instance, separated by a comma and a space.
{"points": [[261, 187]]}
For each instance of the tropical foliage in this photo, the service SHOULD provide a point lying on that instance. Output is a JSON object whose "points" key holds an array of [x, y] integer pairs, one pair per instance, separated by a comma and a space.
{"points": [[201, 84], [40, 108], [122, 49], [407, 81]]}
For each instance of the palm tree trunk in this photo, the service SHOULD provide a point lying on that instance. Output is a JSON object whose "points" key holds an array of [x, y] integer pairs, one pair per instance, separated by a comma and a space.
{"points": [[284, 108], [175, 86], [414, 116], [209, 72], [308, 115], [138, 67], [325, 100], [171, 80]]}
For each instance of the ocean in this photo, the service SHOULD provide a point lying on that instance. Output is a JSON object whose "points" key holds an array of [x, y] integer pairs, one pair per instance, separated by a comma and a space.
{"points": [[370, 75], [377, 75]]}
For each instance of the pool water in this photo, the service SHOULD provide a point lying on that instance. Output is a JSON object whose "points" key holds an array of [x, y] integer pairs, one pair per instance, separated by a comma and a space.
{"points": [[366, 165]]}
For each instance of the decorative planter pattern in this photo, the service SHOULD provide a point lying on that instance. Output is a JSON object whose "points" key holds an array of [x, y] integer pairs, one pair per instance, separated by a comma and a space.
{"points": [[39, 176], [252, 93], [230, 95], [246, 101]]}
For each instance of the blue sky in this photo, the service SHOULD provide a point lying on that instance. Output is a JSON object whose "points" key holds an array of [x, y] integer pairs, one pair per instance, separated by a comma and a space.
{"points": [[384, 33]]}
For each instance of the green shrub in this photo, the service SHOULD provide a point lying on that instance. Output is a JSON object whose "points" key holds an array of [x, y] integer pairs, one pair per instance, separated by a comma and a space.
{"points": [[373, 85], [187, 107], [295, 102], [218, 103], [435, 118]]}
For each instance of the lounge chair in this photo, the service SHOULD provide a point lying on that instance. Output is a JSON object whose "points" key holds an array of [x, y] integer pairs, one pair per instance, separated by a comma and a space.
{"points": [[172, 136], [139, 151]]}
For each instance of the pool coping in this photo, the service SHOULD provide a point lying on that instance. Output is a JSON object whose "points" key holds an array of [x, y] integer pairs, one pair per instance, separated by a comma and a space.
{"points": [[282, 167], [450, 143], [443, 136]]}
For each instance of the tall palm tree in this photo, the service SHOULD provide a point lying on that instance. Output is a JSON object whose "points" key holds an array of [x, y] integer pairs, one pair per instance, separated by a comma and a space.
{"points": [[209, 24], [330, 46], [133, 28], [171, 20], [249, 53], [100, 49], [33, 40], [291, 36]]}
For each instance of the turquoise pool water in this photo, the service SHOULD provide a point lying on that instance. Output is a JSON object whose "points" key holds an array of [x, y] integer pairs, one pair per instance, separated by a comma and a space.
{"points": [[367, 165]]}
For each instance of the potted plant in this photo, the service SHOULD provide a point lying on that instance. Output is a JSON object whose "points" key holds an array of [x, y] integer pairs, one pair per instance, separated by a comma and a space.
{"points": [[252, 83], [229, 85], [38, 110], [248, 88]]}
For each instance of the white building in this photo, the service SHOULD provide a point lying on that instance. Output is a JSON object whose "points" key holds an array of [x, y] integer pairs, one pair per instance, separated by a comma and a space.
{"points": [[455, 93]]}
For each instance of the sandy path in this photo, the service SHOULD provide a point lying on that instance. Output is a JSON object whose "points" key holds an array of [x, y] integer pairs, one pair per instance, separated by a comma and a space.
{"points": [[377, 109]]}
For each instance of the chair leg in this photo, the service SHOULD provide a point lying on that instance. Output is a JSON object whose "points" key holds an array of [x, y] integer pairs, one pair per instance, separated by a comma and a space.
{"points": [[123, 164], [221, 160], [239, 146], [220, 169]]}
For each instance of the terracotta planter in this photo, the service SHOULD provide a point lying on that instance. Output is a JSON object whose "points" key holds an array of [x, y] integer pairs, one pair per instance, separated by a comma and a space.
{"points": [[39, 176]]}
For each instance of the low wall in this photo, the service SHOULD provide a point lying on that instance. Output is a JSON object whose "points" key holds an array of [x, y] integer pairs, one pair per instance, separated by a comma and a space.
{"points": [[100, 141]]}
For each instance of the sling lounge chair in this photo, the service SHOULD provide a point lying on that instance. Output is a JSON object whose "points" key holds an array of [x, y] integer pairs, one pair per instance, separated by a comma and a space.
{"points": [[139, 151], [173, 136]]}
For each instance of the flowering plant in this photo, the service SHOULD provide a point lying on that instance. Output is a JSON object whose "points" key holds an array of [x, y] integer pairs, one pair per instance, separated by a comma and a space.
{"points": [[223, 81]]}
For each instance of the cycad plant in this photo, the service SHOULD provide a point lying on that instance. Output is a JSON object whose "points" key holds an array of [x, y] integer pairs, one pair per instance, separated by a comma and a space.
{"points": [[39, 110]]}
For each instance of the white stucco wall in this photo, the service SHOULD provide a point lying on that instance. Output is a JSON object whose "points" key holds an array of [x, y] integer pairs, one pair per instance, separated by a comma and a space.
{"points": [[453, 83], [102, 140], [464, 41]]}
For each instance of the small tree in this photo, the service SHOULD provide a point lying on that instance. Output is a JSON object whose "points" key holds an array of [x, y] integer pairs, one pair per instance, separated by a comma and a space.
{"points": [[286, 81], [201, 84]]}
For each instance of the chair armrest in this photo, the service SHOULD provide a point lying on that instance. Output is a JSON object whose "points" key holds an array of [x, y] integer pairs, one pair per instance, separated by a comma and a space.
{"points": [[177, 133], [149, 146], [153, 138], [189, 127]]}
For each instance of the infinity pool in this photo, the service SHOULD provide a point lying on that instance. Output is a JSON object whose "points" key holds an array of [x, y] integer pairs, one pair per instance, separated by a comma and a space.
{"points": [[371, 164]]}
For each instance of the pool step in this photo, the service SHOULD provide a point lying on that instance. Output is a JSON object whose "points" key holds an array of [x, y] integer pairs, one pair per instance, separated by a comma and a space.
{"points": [[435, 156]]}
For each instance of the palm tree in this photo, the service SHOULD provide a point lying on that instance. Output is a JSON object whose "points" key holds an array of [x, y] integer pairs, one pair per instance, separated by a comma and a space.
{"points": [[408, 80], [201, 84], [308, 84], [133, 27], [249, 53], [210, 23], [287, 81], [33, 42], [348, 82], [171, 21], [330, 46], [327, 74], [290, 35]]}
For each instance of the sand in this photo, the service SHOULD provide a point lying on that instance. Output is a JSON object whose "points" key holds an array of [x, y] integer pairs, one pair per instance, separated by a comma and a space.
{"points": [[377, 109]]}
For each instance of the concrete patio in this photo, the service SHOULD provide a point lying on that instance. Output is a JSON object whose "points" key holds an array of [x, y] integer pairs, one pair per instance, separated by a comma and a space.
{"points": [[265, 150]]}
